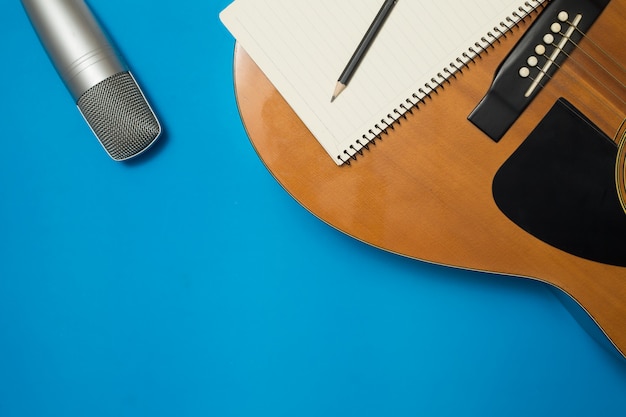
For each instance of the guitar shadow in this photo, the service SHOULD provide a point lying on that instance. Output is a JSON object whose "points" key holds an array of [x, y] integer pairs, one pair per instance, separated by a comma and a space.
{"points": [[507, 283], [587, 323]]}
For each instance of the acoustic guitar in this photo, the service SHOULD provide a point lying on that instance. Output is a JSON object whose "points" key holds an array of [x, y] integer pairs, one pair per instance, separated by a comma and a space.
{"points": [[514, 166]]}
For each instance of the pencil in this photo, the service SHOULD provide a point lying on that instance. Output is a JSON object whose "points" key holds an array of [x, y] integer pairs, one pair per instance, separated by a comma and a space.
{"points": [[361, 50]]}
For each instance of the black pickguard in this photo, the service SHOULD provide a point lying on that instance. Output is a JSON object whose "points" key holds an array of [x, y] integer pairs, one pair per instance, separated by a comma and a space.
{"points": [[559, 186]]}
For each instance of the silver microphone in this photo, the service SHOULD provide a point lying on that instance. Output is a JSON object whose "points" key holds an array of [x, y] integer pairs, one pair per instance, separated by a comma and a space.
{"points": [[103, 88]]}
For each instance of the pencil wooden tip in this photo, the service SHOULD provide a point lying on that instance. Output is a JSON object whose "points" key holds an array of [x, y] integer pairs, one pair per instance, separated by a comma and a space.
{"points": [[338, 89]]}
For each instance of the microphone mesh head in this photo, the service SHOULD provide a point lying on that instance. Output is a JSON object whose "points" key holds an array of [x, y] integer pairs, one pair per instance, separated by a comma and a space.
{"points": [[119, 115]]}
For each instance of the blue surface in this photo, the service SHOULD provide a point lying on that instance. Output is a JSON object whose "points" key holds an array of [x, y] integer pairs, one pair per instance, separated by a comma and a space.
{"points": [[188, 283]]}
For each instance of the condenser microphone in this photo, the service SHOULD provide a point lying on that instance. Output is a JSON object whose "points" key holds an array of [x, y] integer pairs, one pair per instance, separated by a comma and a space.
{"points": [[98, 79]]}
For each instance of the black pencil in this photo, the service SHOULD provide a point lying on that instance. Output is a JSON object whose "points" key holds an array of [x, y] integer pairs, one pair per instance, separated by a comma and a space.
{"points": [[367, 40]]}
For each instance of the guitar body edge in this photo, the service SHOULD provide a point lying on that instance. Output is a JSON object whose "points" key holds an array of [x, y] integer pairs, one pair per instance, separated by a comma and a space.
{"points": [[425, 190]]}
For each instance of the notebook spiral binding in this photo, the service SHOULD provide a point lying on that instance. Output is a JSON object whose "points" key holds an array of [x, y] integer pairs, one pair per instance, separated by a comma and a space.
{"points": [[439, 80]]}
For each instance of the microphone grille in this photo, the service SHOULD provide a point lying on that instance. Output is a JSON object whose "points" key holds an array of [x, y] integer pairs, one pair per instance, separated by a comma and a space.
{"points": [[119, 115]]}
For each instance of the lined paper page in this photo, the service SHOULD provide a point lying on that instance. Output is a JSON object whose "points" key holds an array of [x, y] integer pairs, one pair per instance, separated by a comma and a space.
{"points": [[303, 45]]}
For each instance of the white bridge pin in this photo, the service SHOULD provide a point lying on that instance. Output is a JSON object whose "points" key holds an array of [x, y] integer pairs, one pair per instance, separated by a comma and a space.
{"points": [[548, 39], [540, 50]]}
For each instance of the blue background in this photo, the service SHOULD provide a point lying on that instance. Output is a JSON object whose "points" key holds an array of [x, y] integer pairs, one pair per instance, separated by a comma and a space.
{"points": [[189, 283]]}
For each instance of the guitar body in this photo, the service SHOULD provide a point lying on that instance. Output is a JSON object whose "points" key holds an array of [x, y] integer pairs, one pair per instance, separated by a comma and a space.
{"points": [[426, 189]]}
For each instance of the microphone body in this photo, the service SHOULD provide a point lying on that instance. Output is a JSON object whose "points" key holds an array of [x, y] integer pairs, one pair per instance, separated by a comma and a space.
{"points": [[96, 76]]}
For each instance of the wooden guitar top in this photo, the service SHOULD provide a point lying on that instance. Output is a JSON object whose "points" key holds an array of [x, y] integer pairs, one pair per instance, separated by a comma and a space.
{"points": [[425, 190]]}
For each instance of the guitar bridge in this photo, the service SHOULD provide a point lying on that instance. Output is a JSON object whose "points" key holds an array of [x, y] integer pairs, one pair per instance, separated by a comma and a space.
{"points": [[532, 63]]}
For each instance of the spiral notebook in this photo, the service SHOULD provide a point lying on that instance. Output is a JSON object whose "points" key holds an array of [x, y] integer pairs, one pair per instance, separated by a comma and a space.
{"points": [[303, 45]]}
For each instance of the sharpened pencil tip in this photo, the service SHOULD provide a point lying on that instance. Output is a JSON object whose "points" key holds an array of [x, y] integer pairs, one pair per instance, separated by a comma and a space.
{"points": [[338, 89]]}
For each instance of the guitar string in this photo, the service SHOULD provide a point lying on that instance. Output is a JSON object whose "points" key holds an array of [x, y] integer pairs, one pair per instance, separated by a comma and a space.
{"points": [[572, 80], [592, 75], [586, 108], [593, 92], [561, 86], [595, 45], [599, 48], [594, 60], [620, 135]]}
